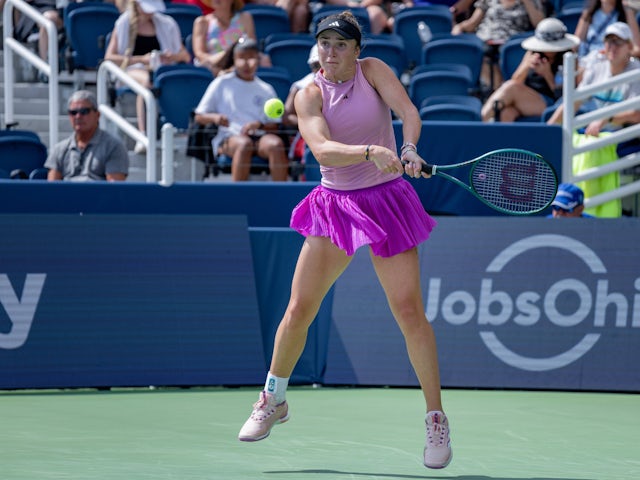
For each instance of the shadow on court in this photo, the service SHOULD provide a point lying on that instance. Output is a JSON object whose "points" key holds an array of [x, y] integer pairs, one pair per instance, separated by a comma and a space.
{"points": [[391, 475]]}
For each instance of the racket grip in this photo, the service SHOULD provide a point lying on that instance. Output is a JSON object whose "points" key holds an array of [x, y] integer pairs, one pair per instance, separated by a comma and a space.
{"points": [[426, 168]]}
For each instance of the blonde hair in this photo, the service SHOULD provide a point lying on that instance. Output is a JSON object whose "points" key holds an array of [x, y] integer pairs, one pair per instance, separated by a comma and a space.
{"points": [[133, 32]]}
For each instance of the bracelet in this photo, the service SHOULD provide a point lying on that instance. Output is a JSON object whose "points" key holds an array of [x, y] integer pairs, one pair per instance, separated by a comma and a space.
{"points": [[366, 153], [408, 146]]}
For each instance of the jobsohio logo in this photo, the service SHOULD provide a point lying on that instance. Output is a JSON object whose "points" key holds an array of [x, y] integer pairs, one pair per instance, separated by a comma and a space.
{"points": [[572, 304]]}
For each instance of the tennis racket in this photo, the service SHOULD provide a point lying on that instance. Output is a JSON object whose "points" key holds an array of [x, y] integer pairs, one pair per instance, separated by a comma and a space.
{"points": [[509, 180]]}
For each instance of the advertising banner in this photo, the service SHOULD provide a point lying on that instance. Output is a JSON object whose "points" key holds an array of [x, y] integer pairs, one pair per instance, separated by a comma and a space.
{"points": [[133, 300], [514, 302]]}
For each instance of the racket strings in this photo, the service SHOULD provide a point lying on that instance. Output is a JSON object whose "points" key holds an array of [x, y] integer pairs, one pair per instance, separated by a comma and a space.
{"points": [[514, 181]]}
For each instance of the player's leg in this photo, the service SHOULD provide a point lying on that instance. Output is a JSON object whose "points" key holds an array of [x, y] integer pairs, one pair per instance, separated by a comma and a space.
{"points": [[319, 265], [400, 278]]}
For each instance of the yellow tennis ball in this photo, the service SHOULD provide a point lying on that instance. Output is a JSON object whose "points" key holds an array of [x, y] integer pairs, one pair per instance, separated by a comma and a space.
{"points": [[273, 108]]}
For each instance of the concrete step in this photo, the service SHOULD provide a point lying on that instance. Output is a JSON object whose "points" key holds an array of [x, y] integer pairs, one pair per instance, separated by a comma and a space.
{"points": [[26, 90], [27, 106]]}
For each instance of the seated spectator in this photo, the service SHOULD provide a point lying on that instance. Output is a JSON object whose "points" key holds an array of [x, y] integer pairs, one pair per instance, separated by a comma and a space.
{"points": [[617, 60], [596, 16], [537, 82], [290, 118], [138, 33], [24, 26], [494, 22], [215, 33], [298, 11], [89, 153], [378, 17], [234, 102], [205, 6], [569, 202]]}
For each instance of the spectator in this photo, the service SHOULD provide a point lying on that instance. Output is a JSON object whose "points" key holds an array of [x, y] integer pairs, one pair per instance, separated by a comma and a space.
{"points": [[290, 118], [215, 33], [138, 33], [298, 11], [89, 153], [617, 60], [234, 102], [206, 6], [378, 18], [494, 22], [537, 82], [596, 16], [24, 26], [569, 202]]}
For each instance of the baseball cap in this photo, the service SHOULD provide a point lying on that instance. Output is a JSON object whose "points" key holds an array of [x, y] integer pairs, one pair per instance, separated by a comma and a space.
{"points": [[568, 197], [346, 29], [246, 43], [151, 6], [619, 29]]}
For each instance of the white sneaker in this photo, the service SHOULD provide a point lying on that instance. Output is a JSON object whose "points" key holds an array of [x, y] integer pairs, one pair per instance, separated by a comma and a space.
{"points": [[139, 149], [266, 413], [437, 452]]}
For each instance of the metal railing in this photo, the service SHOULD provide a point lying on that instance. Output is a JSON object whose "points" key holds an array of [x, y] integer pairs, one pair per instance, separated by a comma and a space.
{"points": [[108, 113], [12, 46], [571, 122]]}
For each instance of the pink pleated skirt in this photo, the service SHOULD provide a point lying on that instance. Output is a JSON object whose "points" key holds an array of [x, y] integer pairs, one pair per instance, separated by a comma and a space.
{"points": [[389, 217]]}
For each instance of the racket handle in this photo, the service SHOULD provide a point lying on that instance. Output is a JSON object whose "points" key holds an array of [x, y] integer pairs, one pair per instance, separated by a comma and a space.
{"points": [[426, 168]]}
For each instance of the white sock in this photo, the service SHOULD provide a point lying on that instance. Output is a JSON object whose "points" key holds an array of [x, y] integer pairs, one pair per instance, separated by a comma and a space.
{"points": [[276, 386]]}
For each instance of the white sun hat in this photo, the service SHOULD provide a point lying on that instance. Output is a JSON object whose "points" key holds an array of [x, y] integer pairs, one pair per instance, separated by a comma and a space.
{"points": [[551, 36]]}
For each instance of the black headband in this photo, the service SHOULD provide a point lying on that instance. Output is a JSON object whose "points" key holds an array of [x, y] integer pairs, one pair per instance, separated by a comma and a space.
{"points": [[347, 29]]}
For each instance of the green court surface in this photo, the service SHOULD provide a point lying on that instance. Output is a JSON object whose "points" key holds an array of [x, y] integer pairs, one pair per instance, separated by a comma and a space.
{"points": [[334, 433]]}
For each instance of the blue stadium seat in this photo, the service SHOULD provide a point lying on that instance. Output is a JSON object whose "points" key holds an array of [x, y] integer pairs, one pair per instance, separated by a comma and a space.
{"points": [[291, 54], [466, 100], [39, 174], [511, 54], [444, 82], [570, 17], [179, 91], [449, 112], [451, 67], [463, 49], [387, 47], [184, 15], [268, 19], [438, 19], [21, 152], [87, 25], [19, 133]]}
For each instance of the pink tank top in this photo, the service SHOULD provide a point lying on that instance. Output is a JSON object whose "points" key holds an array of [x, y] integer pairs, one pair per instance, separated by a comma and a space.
{"points": [[356, 115]]}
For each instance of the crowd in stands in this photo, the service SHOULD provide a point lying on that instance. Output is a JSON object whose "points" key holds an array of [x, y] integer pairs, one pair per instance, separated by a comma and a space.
{"points": [[146, 36]]}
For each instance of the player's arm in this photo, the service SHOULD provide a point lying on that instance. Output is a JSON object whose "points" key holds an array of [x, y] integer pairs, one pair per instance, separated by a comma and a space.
{"points": [[386, 83], [315, 131]]}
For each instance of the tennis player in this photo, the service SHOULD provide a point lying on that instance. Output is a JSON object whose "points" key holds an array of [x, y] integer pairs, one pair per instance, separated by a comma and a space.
{"points": [[345, 119]]}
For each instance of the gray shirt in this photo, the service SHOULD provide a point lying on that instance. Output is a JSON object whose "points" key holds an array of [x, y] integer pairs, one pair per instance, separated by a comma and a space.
{"points": [[104, 154]]}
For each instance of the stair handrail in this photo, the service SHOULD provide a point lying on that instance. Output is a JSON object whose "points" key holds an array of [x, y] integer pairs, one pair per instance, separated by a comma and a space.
{"points": [[11, 46]]}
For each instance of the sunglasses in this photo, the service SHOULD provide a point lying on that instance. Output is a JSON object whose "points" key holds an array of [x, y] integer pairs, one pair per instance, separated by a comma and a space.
{"points": [[541, 55], [555, 208], [82, 111], [618, 42]]}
